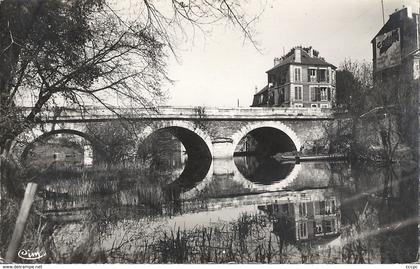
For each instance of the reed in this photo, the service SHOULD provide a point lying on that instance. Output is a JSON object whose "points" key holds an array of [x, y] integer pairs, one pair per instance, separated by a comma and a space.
{"points": [[246, 240]]}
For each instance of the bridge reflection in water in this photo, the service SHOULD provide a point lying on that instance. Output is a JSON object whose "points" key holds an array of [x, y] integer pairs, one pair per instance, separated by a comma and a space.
{"points": [[355, 213]]}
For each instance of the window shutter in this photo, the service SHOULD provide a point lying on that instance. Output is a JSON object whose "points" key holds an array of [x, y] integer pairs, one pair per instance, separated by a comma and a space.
{"points": [[329, 94], [322, 207], [310, 208], [317, 208], [312, 94]]}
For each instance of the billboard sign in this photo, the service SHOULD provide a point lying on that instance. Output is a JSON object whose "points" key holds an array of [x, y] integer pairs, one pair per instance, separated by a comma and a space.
{"points": [[388, 49]]}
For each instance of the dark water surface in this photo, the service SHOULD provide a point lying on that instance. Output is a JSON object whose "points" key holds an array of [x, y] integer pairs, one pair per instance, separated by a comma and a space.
{"points": [[245, 210]]}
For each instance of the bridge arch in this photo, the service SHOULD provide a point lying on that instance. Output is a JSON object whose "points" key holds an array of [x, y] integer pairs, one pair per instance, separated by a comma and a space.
{"points": [[177, 124], [92, 146], [198, 146], [237, 136]]}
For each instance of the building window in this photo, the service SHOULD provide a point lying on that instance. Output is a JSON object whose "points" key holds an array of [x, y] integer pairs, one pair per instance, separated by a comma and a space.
{"points": [[315, 94], [329, 207], [312, 75], [318, 228], [322, 208], [303, 230], [324, 94], [329, 226], [297, 74], [298, 92], [314, 105], [281, 97], [322, 75], [299, 105], [320, 94], [285, 209], [302, 209], [324, 106]]}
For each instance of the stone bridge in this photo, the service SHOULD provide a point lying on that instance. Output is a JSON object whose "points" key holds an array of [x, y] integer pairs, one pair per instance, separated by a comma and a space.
{"points": [[218, 129], [211, 136]]}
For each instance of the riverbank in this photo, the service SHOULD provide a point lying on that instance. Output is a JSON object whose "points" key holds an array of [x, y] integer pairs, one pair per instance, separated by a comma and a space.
{"points": [[309, 158]]}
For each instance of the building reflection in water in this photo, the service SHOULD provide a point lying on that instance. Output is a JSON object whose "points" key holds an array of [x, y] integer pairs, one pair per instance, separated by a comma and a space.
{"points": [[304, 216]]}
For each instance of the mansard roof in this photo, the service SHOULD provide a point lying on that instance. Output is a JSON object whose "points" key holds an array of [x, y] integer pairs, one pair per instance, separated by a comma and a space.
{"points": [[306, 59], [262, 90]]}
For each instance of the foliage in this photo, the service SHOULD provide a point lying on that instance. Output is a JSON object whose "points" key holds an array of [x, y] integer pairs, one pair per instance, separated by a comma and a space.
{"points": [[377, 119], [118, 138], [354, 86], [241, 241], [72, 51], [200, 116], [77, 53]]}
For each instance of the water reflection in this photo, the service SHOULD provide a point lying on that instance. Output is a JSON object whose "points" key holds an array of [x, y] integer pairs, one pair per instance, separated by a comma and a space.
{"points": [[308, 215], [263, 170], [328, 212]]}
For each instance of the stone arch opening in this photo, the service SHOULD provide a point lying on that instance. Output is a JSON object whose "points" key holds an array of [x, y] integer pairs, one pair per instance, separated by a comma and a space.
{"points": [[181, 150], [62, 148], [265, 141], [256, 153], [275, 128]]}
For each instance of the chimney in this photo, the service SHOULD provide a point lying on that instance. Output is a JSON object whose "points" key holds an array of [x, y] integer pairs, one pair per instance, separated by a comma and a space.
{"points": [[277, 61], [298, 55], [405, 12], [409, 12], [311, 52]]}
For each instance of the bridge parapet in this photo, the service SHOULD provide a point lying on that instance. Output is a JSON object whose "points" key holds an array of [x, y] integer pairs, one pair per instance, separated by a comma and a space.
{"points": [[185, 113]]}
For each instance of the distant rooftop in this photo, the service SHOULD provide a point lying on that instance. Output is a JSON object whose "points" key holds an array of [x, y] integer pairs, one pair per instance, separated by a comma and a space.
{"points": [[262, 90], [405, 12], [306, 58]]}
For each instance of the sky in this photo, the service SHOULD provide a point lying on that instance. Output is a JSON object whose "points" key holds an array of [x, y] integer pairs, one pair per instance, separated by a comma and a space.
{"points": [[218, 69]]}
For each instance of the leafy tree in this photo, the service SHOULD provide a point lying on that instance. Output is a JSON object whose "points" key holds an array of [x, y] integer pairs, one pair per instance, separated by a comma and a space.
{"points": [[353, 89], [354, 83], [84, 51], [377, 112], [118, 139]]}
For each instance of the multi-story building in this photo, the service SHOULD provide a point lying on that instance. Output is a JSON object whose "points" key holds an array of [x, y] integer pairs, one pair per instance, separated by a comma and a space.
{"points": [[396, 70], [396, 66], [396, 47], [299, 79]]}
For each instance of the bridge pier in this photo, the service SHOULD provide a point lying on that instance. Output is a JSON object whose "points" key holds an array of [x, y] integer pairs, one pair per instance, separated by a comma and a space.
{"points": [[223, 149], [223, 166], [223, 156]]}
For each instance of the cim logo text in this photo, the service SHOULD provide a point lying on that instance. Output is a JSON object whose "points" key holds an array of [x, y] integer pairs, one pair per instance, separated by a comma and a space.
{"points": [[30, 255]]}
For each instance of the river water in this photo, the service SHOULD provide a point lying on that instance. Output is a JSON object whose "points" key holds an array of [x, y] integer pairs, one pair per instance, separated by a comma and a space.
{"points": [[241, 210]]}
